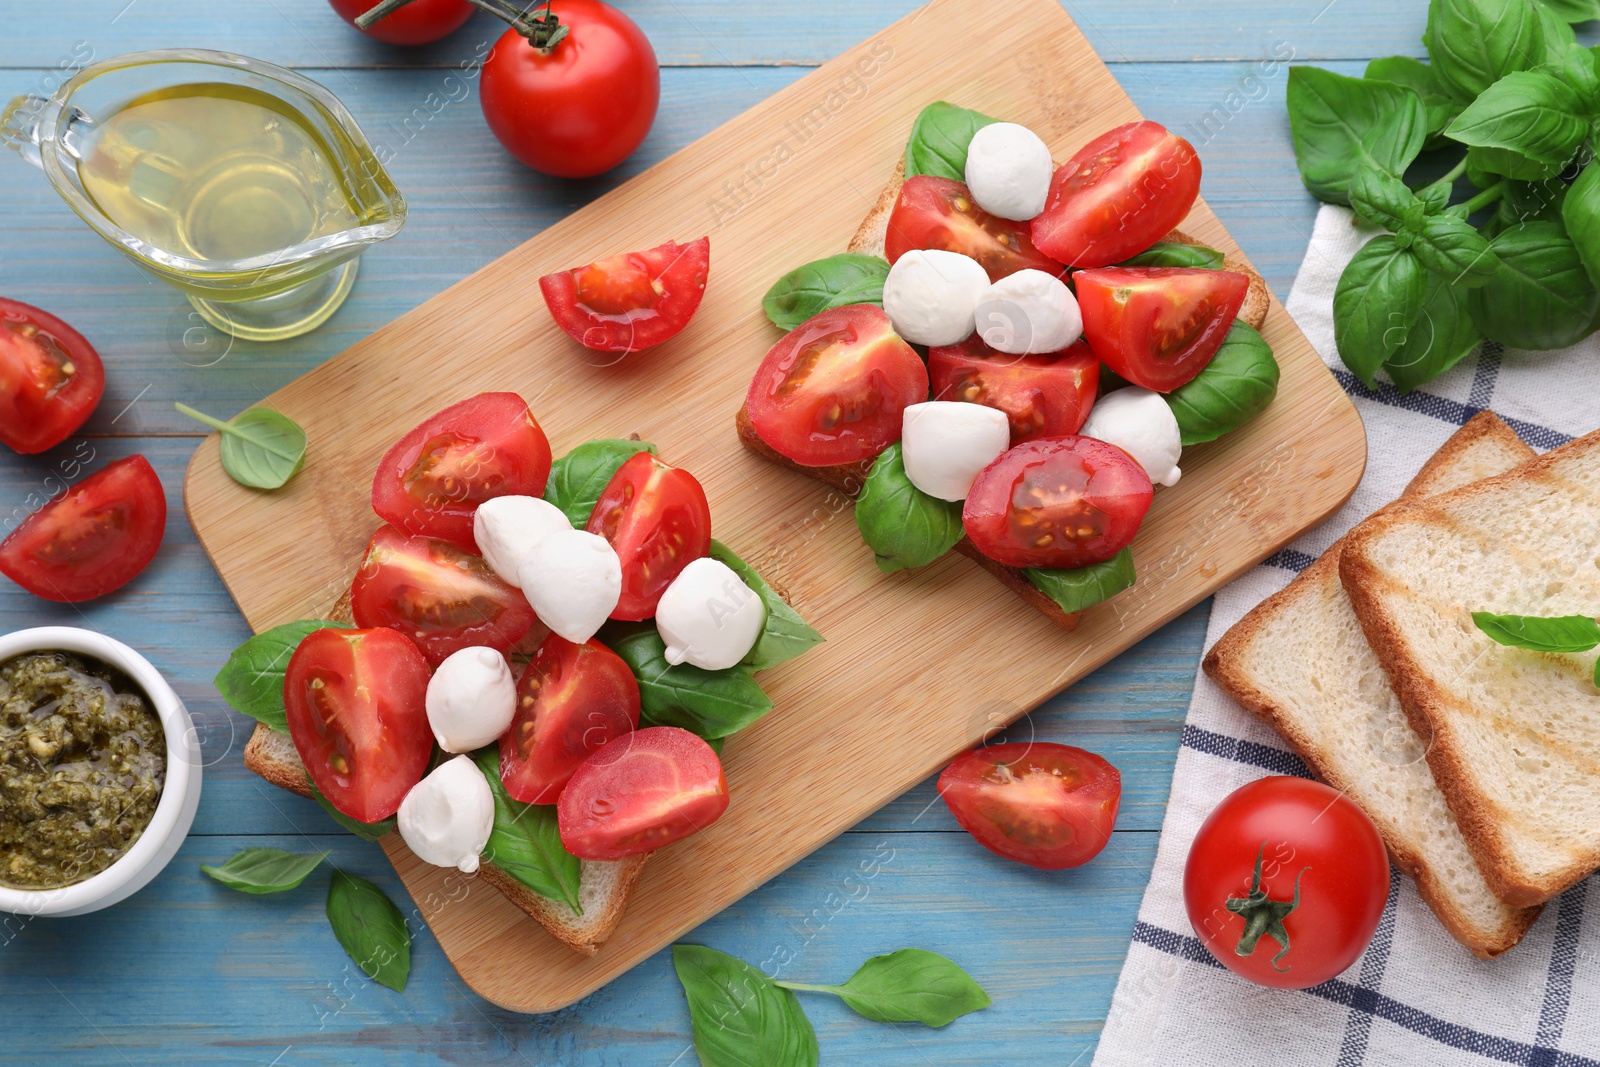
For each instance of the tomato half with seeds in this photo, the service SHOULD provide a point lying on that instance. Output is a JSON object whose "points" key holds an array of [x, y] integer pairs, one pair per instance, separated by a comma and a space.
{"points": [[1057, 502], [641, 792], [940, 213], [657, 518], [1047, 805], [1158, 326], [95, 537], [433, 479], [571, 700], [356, 705], [51, 378], [1047, 395], [633, 301], [834, 388], [1118, 195], [440, 597]]}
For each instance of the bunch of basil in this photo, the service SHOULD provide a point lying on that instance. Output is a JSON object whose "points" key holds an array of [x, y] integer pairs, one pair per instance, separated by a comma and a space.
{"points": [[1509, 101]]}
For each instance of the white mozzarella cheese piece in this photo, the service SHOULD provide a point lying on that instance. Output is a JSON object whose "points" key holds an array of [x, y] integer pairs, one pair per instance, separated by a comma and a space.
{"points": [[1141, 423], [471, 699], [931, 295], [573, 579], [708, 617], [1028, 312], [446, 818], [944, 444], [1009, 170], [508, 528]]}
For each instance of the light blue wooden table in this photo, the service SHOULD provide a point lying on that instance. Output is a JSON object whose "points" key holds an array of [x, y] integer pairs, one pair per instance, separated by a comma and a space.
{"points": [[189, 972]]}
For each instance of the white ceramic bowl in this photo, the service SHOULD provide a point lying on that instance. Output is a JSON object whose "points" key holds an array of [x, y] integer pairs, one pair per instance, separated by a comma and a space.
{"points": [[180, 795]]}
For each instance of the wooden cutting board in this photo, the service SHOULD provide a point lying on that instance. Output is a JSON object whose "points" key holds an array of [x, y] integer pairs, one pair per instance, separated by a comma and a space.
{"points": [[916, 666]]}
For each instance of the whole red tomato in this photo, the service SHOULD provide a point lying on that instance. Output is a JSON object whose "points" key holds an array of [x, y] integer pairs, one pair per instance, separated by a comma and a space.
{"points": [[580, 107], [1286, 882], [419, 22]]}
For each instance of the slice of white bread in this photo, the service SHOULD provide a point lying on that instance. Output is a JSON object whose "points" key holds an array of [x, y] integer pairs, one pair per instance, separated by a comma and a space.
{"points": [[1516, 734], [1300, 662], [604, 889]]}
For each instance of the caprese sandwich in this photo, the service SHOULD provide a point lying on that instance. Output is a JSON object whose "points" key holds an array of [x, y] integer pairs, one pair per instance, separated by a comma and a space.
{"points": [[541, 664], [1012, 355]]}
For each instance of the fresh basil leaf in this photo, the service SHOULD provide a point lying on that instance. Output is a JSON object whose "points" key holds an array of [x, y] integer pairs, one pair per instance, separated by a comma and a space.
{"points": [[1541, 297], [261, 448], [1442, 336], [1565, 633], [1417, 76], [1338, 122], [1531, 113], [578, 478], [739, 1017], [711, 704], [1533, 201], [251, 682], [847, 278], [1559, 38], [1384, 200], [785, 634], [1176, 254], [367, 831], [1573, 10], [370, 928], [1084, 587], [1580, 211], [911, 985], [903, 526], [525, 841], [1376, 301], [1450, 247], [265, 870], [939, 139], [1511, 164], [1577, 67], [1474, 43], [1236, 386]]}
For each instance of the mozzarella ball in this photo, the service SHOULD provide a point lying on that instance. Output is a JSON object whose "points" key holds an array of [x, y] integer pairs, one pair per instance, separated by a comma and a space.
{"points": [[507, 528], [1009, 170], [446, 818], [944, 444], [573, 579], [1142, 424], [708, 617], [471, 698], [930, 296], [1028, 312]]}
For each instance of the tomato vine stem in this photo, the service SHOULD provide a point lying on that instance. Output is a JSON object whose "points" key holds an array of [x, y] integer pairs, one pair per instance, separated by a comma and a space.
{"points": [[543, 31]]}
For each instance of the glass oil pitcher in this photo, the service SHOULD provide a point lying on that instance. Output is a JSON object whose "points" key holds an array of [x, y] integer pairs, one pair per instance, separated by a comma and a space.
{"points": [[245, 185]]}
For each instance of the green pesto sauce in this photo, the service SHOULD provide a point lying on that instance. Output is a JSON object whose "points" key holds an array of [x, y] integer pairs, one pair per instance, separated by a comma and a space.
{"points": [[82, 762]]}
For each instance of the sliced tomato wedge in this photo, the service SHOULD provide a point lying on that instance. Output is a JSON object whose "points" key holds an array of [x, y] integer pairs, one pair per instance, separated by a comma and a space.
{"points": [[633, 301], [1057, 502], [834, 388], [440, 597], [940, 213], [641, 792], [95, 537], [1118, 195], [356, 705], [657, 518], [1158, 326], [51, 378], [1047, 805], [571, 700], [434, 477], [1045, 395]]}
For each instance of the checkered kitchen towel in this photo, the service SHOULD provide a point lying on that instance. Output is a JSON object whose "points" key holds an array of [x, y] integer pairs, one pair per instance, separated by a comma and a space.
{"points": [[1416, 997]]}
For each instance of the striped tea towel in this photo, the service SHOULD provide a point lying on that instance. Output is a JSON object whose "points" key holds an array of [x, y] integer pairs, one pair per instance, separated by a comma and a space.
{"points": [[1416, 997]]}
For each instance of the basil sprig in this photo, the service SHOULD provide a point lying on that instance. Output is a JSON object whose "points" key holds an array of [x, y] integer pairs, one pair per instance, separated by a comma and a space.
{"points": [[785, 634], [903, 526], [370, 928], [847, 278], [1078, 588], [939, 140], [524, 841], [251, 681], [1237, 385], [578, 478], [911, 985], [261, 448], [1176, 254], [711, 704], [264, 870], [1563, 633]]}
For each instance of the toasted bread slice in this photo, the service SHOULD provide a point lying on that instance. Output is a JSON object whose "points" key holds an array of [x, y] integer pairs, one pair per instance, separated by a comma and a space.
{"points": [[1516, 734], [604, 889], [1300, 662]]}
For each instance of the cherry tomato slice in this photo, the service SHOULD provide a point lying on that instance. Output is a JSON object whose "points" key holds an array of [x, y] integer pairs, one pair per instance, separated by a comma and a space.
{"points": [[50, 378], [1042, 395], [433, 479], [641, 792], [442, 598], [1047, 805], [657, 518], [633, 301], [571, 700], [940, 213], [419, 22], [1057, 502], [1158, 326], [95, 537], [1282, 836], [1118, 195], [356, 705], [834, 388]]}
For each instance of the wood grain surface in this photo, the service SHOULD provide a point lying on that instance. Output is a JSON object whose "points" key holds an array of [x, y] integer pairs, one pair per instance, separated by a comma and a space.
{"points": [[780, 184]]}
